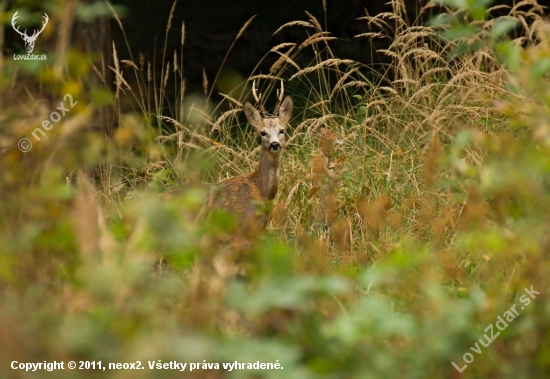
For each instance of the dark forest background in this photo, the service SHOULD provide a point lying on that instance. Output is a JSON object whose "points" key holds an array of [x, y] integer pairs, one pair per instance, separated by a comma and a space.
{"points": [[211, 27]]}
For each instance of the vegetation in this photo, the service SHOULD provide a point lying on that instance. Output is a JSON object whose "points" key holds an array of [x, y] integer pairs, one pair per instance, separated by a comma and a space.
{"points": [[409, 238]]}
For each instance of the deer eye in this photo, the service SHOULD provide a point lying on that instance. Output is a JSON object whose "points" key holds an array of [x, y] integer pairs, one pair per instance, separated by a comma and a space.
{"points": [[281, 131], [263, 134]]}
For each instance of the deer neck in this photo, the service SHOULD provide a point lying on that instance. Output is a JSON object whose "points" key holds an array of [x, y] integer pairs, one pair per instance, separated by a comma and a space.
{"points": [[268, 174]]}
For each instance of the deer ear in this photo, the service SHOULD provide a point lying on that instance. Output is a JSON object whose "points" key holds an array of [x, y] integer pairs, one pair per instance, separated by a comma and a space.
{"points": [[285, 112], [252, 115]]}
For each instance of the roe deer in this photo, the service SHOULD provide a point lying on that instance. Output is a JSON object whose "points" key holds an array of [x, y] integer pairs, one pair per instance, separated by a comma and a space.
{"points": [[246, 196]]}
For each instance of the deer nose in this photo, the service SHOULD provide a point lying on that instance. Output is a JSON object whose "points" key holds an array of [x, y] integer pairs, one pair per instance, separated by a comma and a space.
{"points": [[275, 146]]}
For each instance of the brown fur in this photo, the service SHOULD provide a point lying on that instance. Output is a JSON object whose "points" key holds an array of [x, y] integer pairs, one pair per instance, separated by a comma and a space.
{"points": [[248, 196]]}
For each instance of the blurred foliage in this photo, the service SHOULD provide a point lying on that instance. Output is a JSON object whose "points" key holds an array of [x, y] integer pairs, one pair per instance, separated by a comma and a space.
{"points": [[413, 211]]}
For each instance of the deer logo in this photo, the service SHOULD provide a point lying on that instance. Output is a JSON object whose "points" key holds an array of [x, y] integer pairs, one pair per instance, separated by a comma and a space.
{"points": [[29, 40]]}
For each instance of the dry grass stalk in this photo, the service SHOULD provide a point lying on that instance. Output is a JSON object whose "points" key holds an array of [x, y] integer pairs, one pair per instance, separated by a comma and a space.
{"points": [[314, 21], [313, 40], [118, 77], [182, 33], [223, 117], [231, 99], [304, 24], [204, 83], [282, 46], [282, 59], [326, 63]]}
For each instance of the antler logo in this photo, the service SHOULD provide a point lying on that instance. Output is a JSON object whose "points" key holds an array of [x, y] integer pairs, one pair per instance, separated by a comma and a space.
{"points": [[29, 40]]}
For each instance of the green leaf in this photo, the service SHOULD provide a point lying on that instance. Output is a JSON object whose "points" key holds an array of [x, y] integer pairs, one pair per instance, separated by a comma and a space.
{"points": [[460, 31], [539, 68], [478, 8], [442, 19], [455, 4], [89, 12], [296, 293], [508, 54], [503, 26], [464, 47], [159, 179], [101, 97], [463, 139]]}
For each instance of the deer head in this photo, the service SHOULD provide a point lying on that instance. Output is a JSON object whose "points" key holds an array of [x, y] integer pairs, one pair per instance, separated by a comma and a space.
{"points": [[29, 40], [270, 127]]}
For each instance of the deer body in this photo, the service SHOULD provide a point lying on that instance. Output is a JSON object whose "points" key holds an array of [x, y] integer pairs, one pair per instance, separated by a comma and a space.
{"points": [[246, 196]]}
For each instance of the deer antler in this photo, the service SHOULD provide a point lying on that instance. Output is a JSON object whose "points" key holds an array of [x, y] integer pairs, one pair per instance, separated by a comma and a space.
{"points": [[46, 19], [280, 95], [36, 32], [29, 40], [15, 16], [257, 98]]}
